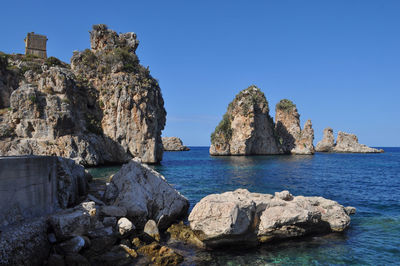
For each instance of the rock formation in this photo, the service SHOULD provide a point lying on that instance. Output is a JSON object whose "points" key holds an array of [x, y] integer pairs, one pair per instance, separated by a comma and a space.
{"points": [[32, 188], [345, 143], [292, 138], [105, 109], [246, 127], [146, 195], [173, 144], [328, 141], [243, 218], [120, 227]]}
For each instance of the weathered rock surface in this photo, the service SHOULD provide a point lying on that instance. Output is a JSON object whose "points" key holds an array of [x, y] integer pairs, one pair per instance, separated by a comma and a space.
{"points": [[72, 222], [328, 141], [146, 195], [240, 217], [182, 232], [151, 229], [246, 127], [106, 109], [125, 226], [345, 143], [161, 255], [292, 138], [173, 144], [25, 244]]}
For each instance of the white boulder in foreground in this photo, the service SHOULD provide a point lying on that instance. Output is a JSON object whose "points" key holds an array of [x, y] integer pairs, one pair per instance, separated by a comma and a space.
{"points": [[146, 195], [240, 217]]}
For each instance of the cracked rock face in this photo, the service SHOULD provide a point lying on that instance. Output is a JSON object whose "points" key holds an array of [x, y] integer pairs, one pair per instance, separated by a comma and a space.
{"points": [[345, 143], [106, 108], [293, 139], [146, 195], [246, 127], [243, 218], [173, 144], [328, 141]]}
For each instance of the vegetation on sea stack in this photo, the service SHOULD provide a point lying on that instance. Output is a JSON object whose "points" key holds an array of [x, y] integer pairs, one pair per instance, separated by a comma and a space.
{"points": [[223, 128], [285, 105]]}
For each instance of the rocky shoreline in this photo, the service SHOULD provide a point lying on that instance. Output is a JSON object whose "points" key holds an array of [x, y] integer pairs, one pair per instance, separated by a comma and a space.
{"points": [[133, 218], [106, 108]]}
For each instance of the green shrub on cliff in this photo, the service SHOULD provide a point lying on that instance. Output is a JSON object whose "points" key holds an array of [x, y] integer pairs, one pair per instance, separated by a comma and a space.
{"points": [[53, 61], [89, 58], [3, 61], [93, 124], [285, 105], [224, 128]]}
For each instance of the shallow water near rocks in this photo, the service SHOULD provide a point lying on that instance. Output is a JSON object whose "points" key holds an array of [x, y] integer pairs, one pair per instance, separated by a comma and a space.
{"points": [[369, 182]]}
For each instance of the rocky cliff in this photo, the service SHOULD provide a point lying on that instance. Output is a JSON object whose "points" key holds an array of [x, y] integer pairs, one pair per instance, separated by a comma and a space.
{"points": [[345, 143], [328, 141], [105, 108], [173, 144], [246, 127], [293, 139]]}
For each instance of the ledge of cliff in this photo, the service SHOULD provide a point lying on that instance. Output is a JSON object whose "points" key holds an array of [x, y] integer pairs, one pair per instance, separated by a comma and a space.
{"points": [[246, 127], [104, 108]]}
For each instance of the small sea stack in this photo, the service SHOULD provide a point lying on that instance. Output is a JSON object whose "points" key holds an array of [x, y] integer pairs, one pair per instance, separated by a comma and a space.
{"points": [[173, 144], [345, 143]]}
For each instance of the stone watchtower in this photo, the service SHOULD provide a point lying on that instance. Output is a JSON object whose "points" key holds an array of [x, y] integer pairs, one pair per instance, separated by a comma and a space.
{"points": [[35, 44]]}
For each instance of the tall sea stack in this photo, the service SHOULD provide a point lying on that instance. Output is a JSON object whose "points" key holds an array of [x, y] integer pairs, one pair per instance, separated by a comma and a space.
{"points": [[246, 127], [293, 139]]}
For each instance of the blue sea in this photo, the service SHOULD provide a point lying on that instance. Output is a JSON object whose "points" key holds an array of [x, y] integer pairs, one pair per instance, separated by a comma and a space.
{"points": [[369, 182]]}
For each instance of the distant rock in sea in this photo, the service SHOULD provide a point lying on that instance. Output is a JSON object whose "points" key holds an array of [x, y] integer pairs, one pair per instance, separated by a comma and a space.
{"points": [[173, 144], [103, 108], [345, 143], [292, 138], [246, 219], [246, 127], [328, 141]]}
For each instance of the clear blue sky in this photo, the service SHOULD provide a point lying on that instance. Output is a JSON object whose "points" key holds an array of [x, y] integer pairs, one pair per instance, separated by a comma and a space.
{"points": [[339, 61]]}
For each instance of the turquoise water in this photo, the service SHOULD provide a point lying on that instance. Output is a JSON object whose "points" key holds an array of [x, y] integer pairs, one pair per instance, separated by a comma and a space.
{"points": [[369, 182]]}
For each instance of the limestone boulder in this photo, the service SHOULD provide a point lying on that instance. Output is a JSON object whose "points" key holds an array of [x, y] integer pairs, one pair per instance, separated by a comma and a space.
{"points": [[125, 226], [222, 219], [243, 218], [146, 195], [173, 144], [73, 222], [151, 229]]}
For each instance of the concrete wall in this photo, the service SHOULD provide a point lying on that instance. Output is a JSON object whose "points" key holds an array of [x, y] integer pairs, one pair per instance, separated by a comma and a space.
{"points": [[28, 188]]}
